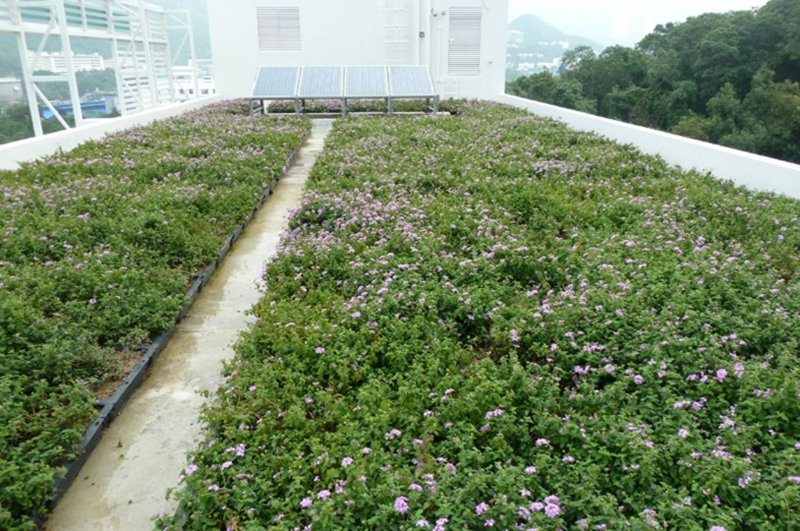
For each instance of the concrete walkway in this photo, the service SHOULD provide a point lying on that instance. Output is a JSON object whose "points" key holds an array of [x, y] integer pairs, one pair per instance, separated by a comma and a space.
{"points": [[123, 484]]}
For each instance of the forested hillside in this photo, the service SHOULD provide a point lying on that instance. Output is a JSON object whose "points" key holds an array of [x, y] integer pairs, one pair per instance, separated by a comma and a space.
{"points": [[731, 79]]}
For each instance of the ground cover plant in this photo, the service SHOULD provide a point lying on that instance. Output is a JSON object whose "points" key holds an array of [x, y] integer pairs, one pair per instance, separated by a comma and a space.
{"points": [[97, 249], [491, 321]]}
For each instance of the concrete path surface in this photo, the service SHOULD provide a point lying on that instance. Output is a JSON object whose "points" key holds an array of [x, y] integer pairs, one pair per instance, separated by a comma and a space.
{"points": [[141, 455]]}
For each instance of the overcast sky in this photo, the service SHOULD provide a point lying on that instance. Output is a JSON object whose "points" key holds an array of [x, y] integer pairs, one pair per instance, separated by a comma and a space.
{"points": [[620, 21]]}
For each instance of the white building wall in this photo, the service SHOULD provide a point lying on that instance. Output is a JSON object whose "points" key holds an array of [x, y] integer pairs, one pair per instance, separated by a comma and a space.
{"points": [[358, 32]]}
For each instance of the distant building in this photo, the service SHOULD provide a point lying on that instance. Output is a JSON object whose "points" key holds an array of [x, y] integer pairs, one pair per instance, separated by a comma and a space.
{"points": [[183, 79], [11, 91], [56, 62]]}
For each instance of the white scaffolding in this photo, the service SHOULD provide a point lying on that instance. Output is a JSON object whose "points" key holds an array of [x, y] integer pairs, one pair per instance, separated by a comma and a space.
{"points": [[139, 37]]}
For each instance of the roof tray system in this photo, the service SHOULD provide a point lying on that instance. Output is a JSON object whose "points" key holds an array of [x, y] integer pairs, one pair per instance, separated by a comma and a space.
{"points": [[301, 83]]}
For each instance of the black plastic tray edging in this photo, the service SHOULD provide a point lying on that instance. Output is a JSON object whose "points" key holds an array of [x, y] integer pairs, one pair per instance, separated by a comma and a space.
{"points": [[111, 408]]}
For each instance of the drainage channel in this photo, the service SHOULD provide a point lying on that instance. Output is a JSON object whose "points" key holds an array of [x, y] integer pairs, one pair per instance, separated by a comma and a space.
{"points": [[141, 455]]}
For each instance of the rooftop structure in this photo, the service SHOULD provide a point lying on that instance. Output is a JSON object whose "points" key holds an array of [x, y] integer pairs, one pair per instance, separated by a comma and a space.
{"points": [[137, 32], [461, 41]]}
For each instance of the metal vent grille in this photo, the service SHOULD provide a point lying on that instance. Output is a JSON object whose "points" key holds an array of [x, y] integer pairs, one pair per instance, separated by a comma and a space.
{"points": [[464, 54], [278, 28]]}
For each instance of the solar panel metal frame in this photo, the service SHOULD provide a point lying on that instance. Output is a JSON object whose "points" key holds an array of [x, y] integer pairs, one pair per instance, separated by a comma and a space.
{"points": [[298, 72], [385, 71], [313, 96], [418, 68]]}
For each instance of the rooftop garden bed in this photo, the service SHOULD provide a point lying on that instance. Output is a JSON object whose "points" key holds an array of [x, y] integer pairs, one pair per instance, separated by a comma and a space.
{"points": [[97, 249], [489, 320]]}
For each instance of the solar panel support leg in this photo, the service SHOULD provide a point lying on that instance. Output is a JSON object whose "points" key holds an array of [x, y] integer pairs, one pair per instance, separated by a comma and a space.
{"points": [[297, 108], [389, 105], [344, 107], [436, 105]]}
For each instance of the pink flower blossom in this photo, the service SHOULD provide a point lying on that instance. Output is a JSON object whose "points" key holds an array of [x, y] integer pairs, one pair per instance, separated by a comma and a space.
{"points": [[401, 504]]}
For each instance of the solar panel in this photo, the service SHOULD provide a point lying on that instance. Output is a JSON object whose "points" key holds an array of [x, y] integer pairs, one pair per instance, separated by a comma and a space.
{"points": [[276, 82], [321, 82], [407, 81], [366, 82]]}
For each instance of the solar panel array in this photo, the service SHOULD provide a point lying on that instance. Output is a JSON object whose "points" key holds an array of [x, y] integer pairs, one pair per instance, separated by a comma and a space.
{"points": [[409, 81], [321, 82], [366, 81], [276, 82], [315, 82]]}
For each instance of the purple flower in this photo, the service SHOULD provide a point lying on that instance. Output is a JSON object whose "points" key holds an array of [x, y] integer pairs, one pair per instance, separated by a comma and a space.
{"points": [[481, 508], [393, 434], [191, 469], [530, 470], [552, 511], [794, 479], [552, 500], [717, 528], [305, 503], [214, 488], [319, 350], [347, 461], [226, 464], [489, 523], [542, 442], [609, 368], [422, 523], [415, 487], [514, 336], [240, 450], [537, 507], [638, 379], [401, 504], [683, 433], [324, 494], [721, 375]]}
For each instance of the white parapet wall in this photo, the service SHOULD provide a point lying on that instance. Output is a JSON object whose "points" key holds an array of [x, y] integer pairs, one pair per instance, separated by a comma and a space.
{"points": [[746, 169], [12, 154]]}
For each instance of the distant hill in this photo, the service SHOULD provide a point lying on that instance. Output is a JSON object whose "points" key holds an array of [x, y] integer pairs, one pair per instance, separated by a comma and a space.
{"points": [[536, 30], [535, 46]]}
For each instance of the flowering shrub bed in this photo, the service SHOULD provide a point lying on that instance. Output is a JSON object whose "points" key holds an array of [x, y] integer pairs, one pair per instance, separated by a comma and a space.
{"points": [[489, 320], [97, 249]]}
